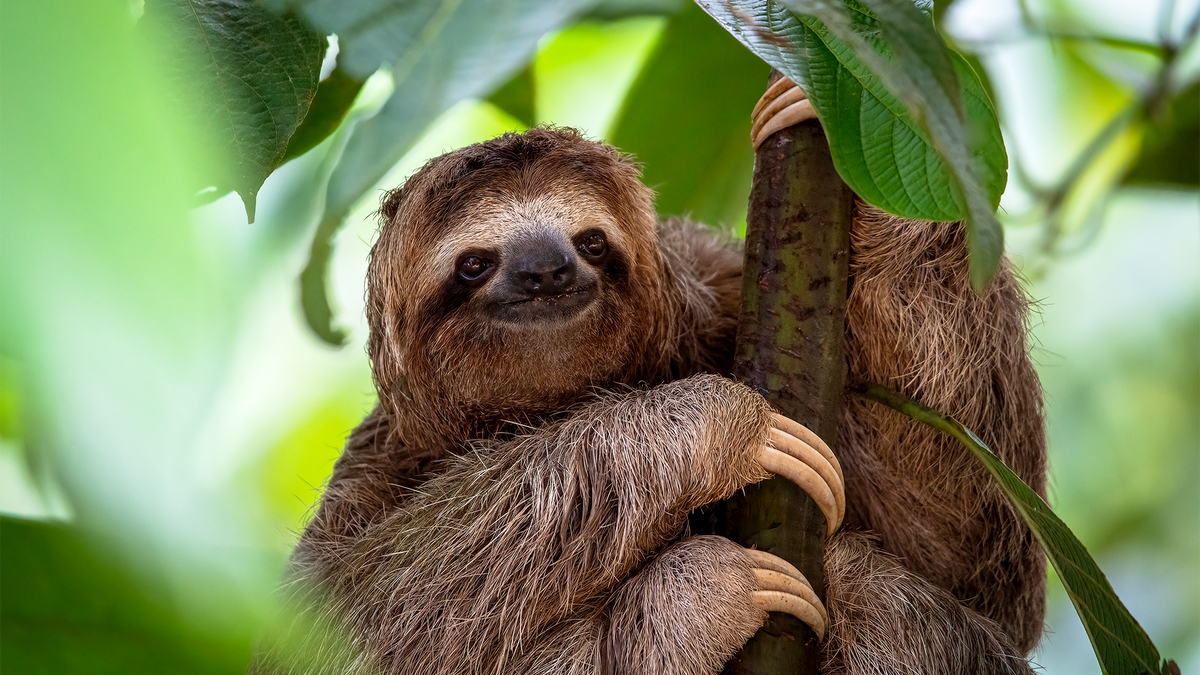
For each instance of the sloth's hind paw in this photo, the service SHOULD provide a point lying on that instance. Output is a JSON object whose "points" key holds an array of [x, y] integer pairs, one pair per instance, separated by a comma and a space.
{"points": [[784, 589]]}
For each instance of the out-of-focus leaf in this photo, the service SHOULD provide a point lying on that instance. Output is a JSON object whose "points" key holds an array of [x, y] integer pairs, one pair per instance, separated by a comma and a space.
{"points": [[314, 294], [69, 609], [611, 10], [516, 97], [1120, 643], [257, 72], [909, 126], [687, 120], [1171, 152], [334, 97], [441, 53]]}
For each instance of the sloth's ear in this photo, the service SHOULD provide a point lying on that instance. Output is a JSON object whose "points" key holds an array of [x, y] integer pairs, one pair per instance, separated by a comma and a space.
{"points": [[390, 203]]}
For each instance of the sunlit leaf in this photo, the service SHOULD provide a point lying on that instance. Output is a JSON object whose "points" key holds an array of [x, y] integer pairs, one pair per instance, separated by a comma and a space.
{"points": [[1120, 643], [909, 126], [687, 120], [1171, 151], [256, 72], [10, 400]]}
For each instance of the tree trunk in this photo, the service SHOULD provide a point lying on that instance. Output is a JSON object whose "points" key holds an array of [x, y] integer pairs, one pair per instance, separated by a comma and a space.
{"points": [[790, 347]]}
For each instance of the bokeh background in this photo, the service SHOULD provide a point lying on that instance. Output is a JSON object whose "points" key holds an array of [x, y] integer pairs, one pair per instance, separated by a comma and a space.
{"points": [[161, 393]]}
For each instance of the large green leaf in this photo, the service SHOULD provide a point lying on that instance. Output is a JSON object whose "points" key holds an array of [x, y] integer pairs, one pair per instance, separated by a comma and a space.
{"points": [[1169, 150], [910, 127], [687, 120], [255, 72], [439, 53], [1120, 643]]}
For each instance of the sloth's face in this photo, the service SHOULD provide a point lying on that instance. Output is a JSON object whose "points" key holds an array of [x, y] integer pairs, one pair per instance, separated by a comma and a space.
{"points": [[532, 298], [516, 274], [534, 266]]}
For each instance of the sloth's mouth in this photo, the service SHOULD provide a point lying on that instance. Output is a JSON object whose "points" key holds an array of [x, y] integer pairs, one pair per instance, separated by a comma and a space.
{"points": [[551, 299], [545, 308]]}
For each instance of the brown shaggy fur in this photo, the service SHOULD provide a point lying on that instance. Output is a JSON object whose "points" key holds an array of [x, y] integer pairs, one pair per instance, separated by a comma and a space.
{"points": [[514, 503]]}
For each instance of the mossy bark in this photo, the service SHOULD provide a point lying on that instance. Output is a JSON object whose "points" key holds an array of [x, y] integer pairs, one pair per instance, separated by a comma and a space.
{"points": [[790, 347]]}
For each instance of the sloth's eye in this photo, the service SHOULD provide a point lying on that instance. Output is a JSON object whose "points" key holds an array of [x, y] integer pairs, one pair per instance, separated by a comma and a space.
{"points": [[594, 245], [472, 267]]}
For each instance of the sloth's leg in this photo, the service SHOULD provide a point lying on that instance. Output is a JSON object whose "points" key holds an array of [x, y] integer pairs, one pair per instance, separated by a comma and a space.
{"points": [[691, 608], [783, 105], [886, 619]]}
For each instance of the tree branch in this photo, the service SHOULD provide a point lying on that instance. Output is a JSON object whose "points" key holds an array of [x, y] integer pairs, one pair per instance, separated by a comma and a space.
{"points": [[790, 348]]}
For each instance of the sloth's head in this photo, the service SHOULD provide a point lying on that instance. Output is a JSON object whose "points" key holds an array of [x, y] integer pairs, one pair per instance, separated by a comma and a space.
{"points": [[514, 274]]}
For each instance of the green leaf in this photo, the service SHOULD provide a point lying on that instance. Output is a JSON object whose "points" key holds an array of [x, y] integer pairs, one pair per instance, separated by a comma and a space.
{"points": [[256, 73], [71, 609], [440, 52], [909, 125], [1169, 150], [687, 120], [335, 95], [1120, 643]]}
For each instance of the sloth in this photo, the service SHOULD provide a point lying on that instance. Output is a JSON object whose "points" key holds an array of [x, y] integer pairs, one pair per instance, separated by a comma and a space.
{"points": [[553, 369]]}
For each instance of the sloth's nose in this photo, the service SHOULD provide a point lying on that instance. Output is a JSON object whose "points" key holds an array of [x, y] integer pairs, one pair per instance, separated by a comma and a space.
{"points": [[543, 268]]}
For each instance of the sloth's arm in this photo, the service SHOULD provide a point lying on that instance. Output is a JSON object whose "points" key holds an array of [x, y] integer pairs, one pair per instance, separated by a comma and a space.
{"points": [[511, 539]]}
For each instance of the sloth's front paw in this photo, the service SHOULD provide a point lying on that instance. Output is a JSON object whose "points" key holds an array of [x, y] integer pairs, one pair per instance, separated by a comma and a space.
{"points": [[783, 105], [794, 452]]}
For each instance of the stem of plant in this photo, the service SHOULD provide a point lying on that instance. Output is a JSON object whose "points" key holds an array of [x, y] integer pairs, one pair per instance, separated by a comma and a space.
{"points": [[790, 348]]}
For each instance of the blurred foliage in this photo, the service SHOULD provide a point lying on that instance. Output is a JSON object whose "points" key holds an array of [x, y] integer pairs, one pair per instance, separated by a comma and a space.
{"points": [[70, 608], [1160, 160], [10, 401], [285, 474], [160, 390], [255, 73]]}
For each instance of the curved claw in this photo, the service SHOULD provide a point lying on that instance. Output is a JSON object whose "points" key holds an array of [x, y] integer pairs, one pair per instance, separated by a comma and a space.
{"points": [[807, 467], [784, 589], [778, 87], [809, 480], [783, 105], [814, 441]]}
